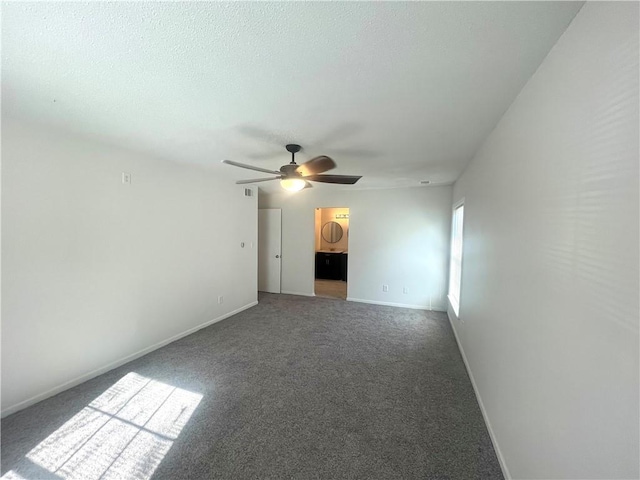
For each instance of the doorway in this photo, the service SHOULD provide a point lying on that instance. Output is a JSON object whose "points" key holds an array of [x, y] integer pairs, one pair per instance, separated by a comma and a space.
{"points": [[269, 249], [331, 252]]}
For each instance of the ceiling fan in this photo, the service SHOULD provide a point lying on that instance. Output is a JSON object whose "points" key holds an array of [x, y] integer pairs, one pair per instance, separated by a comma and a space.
{"points": [[294, 177]]}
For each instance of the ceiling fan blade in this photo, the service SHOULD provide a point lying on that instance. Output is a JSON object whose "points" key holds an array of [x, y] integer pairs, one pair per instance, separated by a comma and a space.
{"points": [[254, 180], [343, 179], [316, 165], [250, 167]]}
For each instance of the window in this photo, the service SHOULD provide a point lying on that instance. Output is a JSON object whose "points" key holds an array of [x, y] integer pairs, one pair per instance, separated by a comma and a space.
{"points": [[455, 269]]}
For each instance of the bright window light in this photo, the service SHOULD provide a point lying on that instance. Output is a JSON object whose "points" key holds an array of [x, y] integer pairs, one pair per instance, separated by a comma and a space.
{"points": [[455, 269], [124, 433]]}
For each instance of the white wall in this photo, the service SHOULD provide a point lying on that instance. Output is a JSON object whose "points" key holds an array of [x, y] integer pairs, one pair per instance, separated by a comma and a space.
{"points": [[95, 271], [550, 270], [397, 237]]}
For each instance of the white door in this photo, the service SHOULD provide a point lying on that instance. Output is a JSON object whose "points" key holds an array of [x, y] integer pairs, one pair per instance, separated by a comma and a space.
{"points": [[269, 249]]}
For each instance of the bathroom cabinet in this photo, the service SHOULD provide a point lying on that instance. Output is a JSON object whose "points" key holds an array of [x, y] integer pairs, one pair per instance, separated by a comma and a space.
{"points": [[331, 265]]}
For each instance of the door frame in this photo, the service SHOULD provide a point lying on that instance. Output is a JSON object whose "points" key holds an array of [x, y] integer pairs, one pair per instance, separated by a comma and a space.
{"points": [[264, 215]]}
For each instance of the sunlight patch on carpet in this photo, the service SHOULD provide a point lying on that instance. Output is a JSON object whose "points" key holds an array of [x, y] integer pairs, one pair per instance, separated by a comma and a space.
{"points": [[124, 433]]}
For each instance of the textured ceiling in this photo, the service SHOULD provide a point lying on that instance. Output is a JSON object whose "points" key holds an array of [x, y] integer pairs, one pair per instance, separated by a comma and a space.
{"points": [[397, 92]]}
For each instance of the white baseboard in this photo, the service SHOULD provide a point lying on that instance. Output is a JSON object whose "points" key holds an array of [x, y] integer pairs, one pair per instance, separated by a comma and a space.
{"points": [[496, 447], [94, 373], [392, 304], [304, 294]]}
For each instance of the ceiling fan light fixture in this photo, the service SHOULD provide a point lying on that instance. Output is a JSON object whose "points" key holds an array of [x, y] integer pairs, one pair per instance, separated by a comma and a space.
{"points": [[293, 184], [294, 177]]}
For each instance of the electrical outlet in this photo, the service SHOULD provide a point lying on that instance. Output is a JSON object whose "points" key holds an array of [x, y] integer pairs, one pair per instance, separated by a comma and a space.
{"points": [[385, 288], [405, 290], [126, 178], [220, 299]]}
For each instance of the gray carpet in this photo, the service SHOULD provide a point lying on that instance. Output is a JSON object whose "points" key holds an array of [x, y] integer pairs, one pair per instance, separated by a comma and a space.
{"points": [[292, 388]]}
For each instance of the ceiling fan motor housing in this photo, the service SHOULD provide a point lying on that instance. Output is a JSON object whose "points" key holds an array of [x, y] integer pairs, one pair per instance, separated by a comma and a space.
{"points": [[290, 170]]}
